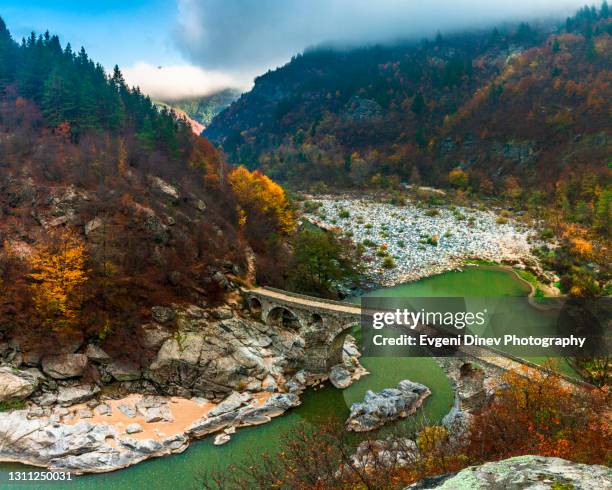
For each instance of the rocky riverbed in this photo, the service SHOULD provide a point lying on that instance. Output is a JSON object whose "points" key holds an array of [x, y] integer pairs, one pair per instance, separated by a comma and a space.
{"points": [[213, 370], [422, 241]]}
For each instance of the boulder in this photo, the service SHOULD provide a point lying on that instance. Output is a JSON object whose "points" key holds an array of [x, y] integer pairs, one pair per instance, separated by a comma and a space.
{"points": [[386, 405], [340, 377], [96, 354], [133, 428], [535, 472], [158, 414], [92, 225], [163, 186], [199, 205], [163, 314], [64, 366], [123, 370], [152, 335], [15, 384], [103, 409], [221, 439], [127, 410], [231, 403], [223, 312], [46, 399], [84, 414], [69, 395]]}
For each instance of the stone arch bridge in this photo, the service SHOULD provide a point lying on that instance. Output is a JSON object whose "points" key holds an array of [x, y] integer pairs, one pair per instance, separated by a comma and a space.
{"points": [[324, 324]]}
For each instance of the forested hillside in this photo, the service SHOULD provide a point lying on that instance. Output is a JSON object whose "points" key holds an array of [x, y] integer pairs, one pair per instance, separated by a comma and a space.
{"points": [[108, 204], [510, 111]]}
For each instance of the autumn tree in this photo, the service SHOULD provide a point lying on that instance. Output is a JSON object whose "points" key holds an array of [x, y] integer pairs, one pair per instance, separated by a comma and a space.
{"points": [[263, 207], [538, 413], [59, 274], [458, 178]]}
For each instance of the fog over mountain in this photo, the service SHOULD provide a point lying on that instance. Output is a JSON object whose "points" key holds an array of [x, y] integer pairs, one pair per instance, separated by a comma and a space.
{"points": [[246, 37]]}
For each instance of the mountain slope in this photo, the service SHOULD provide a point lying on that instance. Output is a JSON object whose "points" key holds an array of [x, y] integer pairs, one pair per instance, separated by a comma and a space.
{"points": [[524, 102], [109, 205]]}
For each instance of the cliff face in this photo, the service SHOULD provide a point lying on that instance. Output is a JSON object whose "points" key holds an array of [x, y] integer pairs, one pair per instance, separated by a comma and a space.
{"points": [[523, 472]]}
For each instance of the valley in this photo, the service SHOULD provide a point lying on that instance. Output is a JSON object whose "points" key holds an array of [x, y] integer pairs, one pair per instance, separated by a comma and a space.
{"points": [[182, 274]]}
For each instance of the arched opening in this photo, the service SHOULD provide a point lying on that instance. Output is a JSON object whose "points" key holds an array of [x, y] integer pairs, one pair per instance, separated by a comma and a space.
{"points": [[283, 317], [336, 347], [465, 369], [316, 319], [255, 306]]}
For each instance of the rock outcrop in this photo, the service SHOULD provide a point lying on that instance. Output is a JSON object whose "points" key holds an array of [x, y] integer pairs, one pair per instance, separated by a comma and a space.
{"points": [[387, 405], [251, 372], [64, 366], [535, 472], [62, 439], [16, 384]]}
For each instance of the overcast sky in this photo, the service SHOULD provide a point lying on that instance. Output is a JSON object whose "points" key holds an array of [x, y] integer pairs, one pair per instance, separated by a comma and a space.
{"points": [[204, 45]]}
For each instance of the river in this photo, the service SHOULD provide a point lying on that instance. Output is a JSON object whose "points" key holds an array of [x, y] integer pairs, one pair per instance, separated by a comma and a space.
{"points": [[182, 470]]}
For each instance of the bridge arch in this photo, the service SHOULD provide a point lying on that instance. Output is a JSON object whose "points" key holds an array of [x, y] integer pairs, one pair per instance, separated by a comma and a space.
{"points": [[316, 320], [336, 345], [255, 305], [283, 317]]}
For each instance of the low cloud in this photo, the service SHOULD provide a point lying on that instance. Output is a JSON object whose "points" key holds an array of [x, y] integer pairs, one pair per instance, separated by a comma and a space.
{"points": [[169, 83], [256, 35]]}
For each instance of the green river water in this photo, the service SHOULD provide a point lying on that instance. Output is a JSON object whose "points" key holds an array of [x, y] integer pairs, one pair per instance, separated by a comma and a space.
{"points": [[181, 470]]}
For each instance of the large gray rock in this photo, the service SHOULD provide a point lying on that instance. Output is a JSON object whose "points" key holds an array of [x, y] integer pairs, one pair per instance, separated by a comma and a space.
{"points": [[64, 366], [152, 335], [133, 428], [15, 384], [124, 370], [69, 395], [340, 377], [386, 405], [533, 472], [95, 353], [232, 402]]}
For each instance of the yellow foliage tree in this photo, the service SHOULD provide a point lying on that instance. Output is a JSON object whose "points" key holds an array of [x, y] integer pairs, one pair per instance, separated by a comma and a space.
{"points": [[258, 194], [59, 275], [458, 178]]}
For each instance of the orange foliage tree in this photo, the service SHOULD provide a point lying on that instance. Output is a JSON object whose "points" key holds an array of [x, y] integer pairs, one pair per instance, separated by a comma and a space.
{"points": [[261, 200], [59, 274], [458, 178], [536, 413]]}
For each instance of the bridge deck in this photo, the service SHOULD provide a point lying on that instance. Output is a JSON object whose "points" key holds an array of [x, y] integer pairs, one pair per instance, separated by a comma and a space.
{"points": [[311, 302]]}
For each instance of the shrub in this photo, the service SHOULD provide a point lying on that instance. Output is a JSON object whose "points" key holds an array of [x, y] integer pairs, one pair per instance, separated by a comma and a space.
{"points": [[547, 233], [388, 262], [312, 206], [344, 214], [433, 240], [432, 212]]}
